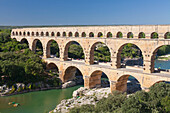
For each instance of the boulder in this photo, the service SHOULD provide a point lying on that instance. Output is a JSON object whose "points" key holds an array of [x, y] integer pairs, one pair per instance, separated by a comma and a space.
{"points": [[68, 84]]}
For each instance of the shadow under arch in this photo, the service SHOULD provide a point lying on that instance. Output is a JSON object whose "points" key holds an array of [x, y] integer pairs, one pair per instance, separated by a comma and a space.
{"points": [[128, 83], [52, 67], [52, 50], [72, 55], [73, 73], [92, 49], [37, 47], [127, 48], [98, 79], [24, 40]]}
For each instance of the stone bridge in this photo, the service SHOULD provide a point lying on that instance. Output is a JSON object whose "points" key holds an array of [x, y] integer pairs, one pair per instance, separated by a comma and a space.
{"points": [[149, 38]]}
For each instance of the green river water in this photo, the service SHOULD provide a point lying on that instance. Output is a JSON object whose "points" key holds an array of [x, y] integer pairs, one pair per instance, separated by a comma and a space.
{"points": [[36, 102]]}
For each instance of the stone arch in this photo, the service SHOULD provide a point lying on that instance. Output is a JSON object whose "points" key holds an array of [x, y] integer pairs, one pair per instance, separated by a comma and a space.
{"points": [[34, 44], [122, 85], [66, 48], [119, 35], [167, 35], [32, 33], [91, 34], [83, 34], [76, 34], [47, 33], [20, 33], [141, 35], [95, 79], [24, 33], [70, 34], [24, 40], [28, 33], [42, 33], [52, 34], [118, 65], [70, 73], [64, 34], [152, 66], [37, 33], [48, 49], [16, 33], [154, 35], [130, 35], [109, 34], [92, 51], [58, 34], [13, 33], [100, 34], [52, 67]]}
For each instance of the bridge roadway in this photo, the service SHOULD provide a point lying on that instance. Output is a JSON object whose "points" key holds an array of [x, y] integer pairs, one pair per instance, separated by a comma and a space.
{"points": [[117, 77]]}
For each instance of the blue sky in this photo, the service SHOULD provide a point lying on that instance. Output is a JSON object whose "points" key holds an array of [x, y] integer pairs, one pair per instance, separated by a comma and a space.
{"points": [[84, 12]]}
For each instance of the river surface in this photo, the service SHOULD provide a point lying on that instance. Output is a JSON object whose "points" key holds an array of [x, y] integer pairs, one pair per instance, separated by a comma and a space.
{"points": [[44, 101], [36, 102]]}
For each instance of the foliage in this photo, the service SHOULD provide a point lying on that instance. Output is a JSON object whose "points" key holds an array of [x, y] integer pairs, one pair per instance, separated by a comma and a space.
{"points": [[84, 109], [157, 100], [75, 51]]}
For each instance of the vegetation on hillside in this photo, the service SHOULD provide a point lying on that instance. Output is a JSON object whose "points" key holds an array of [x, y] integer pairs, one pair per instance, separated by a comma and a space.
{"points": [[157, 100]]}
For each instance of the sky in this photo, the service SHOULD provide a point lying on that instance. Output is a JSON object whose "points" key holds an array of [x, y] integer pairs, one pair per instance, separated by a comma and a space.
{"points": [[84, 12]]}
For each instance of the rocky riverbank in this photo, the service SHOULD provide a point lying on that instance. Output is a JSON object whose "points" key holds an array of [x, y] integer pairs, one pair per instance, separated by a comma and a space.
{"points": [[20, 88], [82, 96]]}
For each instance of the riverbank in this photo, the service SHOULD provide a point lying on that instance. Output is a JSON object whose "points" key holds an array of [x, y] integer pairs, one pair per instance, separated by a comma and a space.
{"points": [[164, 57], [82, 96]]}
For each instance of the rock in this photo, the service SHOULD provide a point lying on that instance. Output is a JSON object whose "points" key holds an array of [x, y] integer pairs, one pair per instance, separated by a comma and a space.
{"points": [[86, 96], [68, 84]]}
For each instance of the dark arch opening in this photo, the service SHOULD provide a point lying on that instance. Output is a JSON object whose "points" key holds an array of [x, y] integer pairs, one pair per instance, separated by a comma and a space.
{"points": [[20, 33], [91, 34], [52, 34], [42, 33], [53, 69], [76, 34], [109, 34], [167, 35], [37, 34], [73, 50], [130, 35], [37, 47], [24, 33], [16, 33], [99, 79], [32, 33], [100, 34], [47, 33], [119, 35], [28, 33], [99, 53], [129, 55], [73, 74], [13, 33], [83, 34], [141, 35], [160, 59], [52, 49], [70, 34], [154, 35], [128, 83], [64, 34], [25, 41], [58, 34]]}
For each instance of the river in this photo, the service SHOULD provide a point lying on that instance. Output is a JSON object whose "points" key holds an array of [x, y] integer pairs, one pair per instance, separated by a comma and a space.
{"points": [[44, 101]]}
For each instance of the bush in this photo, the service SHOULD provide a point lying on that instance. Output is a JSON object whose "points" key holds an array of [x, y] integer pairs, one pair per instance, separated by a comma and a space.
{"points": [[83, 109]]}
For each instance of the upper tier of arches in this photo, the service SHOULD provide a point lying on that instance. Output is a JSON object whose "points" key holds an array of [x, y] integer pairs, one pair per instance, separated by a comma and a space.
{"points": [[99, 34]]}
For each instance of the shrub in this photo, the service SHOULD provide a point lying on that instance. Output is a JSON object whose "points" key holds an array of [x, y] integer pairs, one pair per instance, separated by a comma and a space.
{"points": [[83, 109]]}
